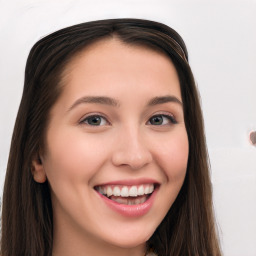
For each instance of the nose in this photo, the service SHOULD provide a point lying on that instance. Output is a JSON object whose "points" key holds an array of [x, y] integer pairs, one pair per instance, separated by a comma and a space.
{"points": [[132, 151]]}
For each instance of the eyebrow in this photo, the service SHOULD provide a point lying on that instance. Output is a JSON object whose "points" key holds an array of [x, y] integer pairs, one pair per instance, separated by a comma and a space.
{"points": [[164, 99], [96, 100], [115, 103]]}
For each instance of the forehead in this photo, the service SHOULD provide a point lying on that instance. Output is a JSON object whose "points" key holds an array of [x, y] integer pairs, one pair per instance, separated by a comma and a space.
{"points": [[110, 62]]}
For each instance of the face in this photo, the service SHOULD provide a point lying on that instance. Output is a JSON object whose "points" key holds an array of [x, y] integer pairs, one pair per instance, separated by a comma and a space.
{"points": [[117, 147]]}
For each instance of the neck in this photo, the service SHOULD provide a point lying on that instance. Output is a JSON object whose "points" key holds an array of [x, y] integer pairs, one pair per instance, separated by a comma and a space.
{"points": [[60, 249]]}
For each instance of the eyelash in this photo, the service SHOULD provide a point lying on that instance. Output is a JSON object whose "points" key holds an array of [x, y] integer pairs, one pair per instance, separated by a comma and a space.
{"points": [[170, 118], [85, 120]]}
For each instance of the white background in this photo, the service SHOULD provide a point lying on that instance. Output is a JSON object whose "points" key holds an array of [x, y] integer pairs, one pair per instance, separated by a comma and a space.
{"points": [[221, 40]]}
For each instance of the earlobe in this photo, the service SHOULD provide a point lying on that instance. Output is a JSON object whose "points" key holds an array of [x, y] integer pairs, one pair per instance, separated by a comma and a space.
{"points": [[37, 170]]}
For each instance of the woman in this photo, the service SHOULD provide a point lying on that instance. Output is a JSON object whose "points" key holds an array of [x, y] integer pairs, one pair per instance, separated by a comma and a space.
{"points": [[108, 155]]}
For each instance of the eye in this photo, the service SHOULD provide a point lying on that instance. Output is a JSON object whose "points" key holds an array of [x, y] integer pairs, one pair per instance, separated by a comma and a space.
{"points": [[95, 120], [162, 120]]}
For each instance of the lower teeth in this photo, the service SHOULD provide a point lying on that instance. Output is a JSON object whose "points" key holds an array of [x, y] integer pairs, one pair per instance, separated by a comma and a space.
{"points": [[129, 200]]}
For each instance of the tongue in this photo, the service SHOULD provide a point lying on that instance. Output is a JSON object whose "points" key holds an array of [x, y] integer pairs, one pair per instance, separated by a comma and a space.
{"points": [[129, 200]]}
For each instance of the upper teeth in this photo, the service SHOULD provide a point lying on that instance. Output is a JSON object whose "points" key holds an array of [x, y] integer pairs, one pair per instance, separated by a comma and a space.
{"points": [[125, 191]]}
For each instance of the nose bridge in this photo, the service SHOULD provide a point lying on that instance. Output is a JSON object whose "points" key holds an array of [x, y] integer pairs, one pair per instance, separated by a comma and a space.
{"points": [[132, 148]]}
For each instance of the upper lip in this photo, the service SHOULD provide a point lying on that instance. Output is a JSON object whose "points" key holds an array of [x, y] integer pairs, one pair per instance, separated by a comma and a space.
{"points": [[130, 182]]}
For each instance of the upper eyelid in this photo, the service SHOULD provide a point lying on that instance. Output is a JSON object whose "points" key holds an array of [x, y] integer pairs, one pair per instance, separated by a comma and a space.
{"points": [[163, 113], [93, 114], [171, 117], [160, 113]]}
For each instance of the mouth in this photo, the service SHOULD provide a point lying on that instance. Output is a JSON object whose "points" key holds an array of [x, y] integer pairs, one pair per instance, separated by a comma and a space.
{"points": [[127, 195]]}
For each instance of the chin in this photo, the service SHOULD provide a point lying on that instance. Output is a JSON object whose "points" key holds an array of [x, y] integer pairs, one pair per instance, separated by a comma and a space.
{"points": [[131, 239]]}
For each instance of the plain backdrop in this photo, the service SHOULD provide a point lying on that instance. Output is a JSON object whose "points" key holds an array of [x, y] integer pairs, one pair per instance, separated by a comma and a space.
{"points": [[221, 40]]}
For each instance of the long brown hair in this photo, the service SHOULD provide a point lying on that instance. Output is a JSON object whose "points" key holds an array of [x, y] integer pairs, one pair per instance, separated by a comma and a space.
{"points": [[27, 224]]}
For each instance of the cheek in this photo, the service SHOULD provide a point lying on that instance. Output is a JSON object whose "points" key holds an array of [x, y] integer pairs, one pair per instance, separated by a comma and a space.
{"points": [[73, 156], [172, 154]]}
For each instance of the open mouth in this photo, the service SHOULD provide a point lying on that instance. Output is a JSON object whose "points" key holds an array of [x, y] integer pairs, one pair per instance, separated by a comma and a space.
{"points": [[127, 195]]}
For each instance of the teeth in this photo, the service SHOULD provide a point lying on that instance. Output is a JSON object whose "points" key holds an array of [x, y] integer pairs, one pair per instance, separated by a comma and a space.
{"points": [[120, 200], [128, 201], [109, 191], [141, 190], [101, 190], [116, 191], [125, 191], [151, 188], [133, 191]]}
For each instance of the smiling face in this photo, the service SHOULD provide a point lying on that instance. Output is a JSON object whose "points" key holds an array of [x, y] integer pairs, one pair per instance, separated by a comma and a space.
{"points": [[116, 149]]}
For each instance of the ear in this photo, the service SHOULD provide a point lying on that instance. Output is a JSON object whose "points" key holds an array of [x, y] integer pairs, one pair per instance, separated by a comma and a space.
{"points": [[37, 170]]}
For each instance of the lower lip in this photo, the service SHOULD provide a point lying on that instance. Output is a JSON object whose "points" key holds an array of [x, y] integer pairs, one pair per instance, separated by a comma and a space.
{"points": [[130, 210]]}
